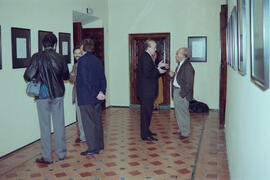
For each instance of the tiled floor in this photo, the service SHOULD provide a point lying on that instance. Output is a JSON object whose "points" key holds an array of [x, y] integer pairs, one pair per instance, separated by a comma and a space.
{"points": [[126, 157]]}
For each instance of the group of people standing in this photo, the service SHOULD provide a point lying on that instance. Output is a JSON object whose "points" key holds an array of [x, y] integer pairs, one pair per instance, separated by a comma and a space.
{"points": [[147, 91], [88, 77], [50, 68]]}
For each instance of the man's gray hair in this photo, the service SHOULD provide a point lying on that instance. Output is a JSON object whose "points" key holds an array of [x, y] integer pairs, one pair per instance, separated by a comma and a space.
{"points": [[184, 52], [147, 44]]}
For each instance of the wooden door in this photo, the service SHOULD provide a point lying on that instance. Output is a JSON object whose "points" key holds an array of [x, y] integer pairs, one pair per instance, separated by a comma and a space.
{"points": [[136, 42], [77, 33], [223, 67], [97, 35]]}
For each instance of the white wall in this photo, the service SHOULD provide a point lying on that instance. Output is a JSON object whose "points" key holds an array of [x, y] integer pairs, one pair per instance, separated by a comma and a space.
{"points": [[18, 115], [181, 19], [247, 123], [119, 18]]}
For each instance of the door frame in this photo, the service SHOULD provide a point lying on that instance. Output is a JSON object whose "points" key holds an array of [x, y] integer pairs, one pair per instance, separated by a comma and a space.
{"points": [[223, 66], [132, 54]]}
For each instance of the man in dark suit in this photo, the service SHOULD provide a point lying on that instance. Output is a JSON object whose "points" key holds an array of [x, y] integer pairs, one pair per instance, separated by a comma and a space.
{"points": [[91, 88], [147, 89], [182, 86]]}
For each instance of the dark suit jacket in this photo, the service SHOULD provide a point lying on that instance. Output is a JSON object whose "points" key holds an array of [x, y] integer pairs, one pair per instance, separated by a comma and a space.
{"points": [[185, 78], [147, 77], [90, 79]]}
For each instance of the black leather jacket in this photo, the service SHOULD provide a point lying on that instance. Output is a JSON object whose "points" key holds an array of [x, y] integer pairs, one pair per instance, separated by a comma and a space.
{"points": [[51, 69]]}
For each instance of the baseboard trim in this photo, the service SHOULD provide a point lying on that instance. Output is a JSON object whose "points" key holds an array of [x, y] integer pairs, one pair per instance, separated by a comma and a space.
{"points": [[4, 156]]}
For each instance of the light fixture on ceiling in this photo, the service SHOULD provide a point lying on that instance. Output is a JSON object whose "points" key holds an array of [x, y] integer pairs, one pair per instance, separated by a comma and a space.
{"points": [[89, 11]]}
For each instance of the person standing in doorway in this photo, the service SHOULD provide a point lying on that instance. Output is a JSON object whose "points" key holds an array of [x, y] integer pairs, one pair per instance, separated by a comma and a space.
{"points": [[182, 86], [77, 54], [147, 89], [50, 68], [91, 89], [159, 99]]}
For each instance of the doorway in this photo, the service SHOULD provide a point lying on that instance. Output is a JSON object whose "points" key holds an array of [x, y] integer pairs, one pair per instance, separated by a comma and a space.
{"points": [[97, 35], [136, 42]]}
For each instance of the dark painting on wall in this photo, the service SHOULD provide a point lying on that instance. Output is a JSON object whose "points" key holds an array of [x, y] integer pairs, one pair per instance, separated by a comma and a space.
{"points": [[41, 35], [21, 47], [64, 46]]}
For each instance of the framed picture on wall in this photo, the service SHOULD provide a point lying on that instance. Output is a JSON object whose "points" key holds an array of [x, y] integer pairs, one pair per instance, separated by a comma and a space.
{"points": [[259, 37], [64, 46], [0, 50], [242, 36], [229, 41], [21, 47], [234, 39], [41, 35], [198, 48]]}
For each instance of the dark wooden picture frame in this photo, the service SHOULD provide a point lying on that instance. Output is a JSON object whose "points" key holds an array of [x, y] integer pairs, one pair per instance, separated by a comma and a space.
{"points": [[198, 48], [21, 47], [64, 46], [41, 35], [0, 49], [260, 42]]}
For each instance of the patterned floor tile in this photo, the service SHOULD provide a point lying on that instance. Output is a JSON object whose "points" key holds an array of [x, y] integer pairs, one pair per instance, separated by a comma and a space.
{"points": [[126, 156]]}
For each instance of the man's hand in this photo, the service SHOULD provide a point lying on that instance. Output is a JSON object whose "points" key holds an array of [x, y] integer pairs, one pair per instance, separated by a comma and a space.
{"points": [[101, 96], [163, 65], [161, 71]]}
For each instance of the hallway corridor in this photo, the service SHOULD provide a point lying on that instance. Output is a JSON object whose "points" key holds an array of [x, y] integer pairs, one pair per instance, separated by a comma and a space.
{"points": [[127, 157]]}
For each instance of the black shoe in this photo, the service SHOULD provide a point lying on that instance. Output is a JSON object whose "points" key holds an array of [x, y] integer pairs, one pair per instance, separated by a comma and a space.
{"points": [[153, 134], [149, 138], [89, 153], [177, 133], [78, 140], [62, 159], [183, 137], [42, 161]]}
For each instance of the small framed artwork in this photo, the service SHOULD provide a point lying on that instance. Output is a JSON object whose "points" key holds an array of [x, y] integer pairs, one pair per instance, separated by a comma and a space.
{"points": [[260, 42], [198, 48], [229, 41], [242, 36], [64, 46], [234, 39], [21, 47], [41, 35], [0, 50]]}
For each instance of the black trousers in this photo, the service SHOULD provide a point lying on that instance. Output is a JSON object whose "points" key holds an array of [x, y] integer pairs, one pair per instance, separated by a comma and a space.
{"points": [[147, 105], [92, 125]]}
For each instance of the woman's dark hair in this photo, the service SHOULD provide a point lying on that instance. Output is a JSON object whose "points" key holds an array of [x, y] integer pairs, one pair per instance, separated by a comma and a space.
{"points": [[49, 40]]}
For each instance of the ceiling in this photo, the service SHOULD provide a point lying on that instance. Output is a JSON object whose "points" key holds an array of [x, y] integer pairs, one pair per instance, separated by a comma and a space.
{"points": [[83, 18]]}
